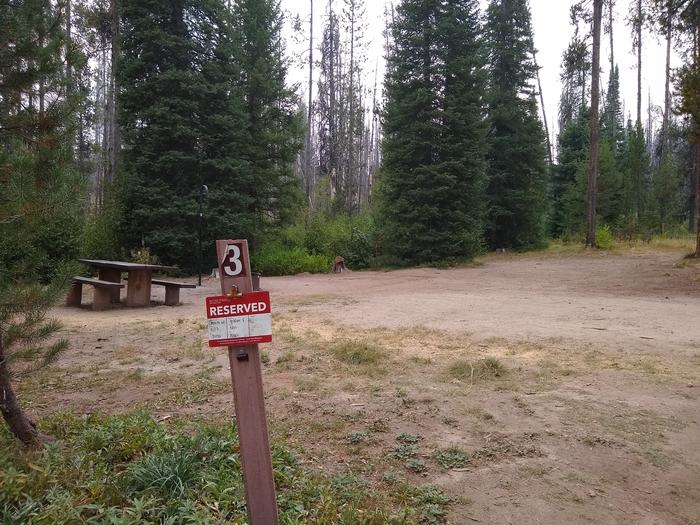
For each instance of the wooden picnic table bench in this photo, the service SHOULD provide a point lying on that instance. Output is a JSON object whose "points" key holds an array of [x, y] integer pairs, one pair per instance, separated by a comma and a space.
{"points": [[172, 290], [104, 292], [138, 290]]}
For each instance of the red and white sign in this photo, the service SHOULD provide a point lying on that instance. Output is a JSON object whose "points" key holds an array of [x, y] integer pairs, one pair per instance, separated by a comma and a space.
{"points": [[239, 321]]}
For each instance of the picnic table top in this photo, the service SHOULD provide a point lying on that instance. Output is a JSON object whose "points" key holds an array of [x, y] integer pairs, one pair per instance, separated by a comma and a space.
{"points": [[125, 266]]}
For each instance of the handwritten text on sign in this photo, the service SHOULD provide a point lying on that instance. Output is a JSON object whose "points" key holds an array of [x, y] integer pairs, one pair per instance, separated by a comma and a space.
{"points": [[238, 321]]}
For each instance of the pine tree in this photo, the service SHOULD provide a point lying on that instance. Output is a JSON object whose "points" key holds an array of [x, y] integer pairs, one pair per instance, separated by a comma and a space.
{"points": [[611, 123], [566, 211], [273, 125], [433, 167], [42, 192], [161, 93], [635, 168], [204, 102], [574, 71], [517, 171]]}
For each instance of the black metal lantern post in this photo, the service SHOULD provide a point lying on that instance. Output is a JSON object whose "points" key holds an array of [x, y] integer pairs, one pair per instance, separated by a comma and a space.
{"points": [[203, 193]]}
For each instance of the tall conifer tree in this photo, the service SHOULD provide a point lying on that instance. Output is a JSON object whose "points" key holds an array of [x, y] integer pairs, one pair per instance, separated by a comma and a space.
{"points": [[433, 171], [517, 170], [160, 99], [274, 127]]}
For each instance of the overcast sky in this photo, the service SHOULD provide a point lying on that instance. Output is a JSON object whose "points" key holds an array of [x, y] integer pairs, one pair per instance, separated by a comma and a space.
{"points": [[550, 20]]}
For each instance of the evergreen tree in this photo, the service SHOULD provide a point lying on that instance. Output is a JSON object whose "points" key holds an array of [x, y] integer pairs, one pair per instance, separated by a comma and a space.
{"points": [[161, 95], [572, 151], [204, 102], [635, 168], [665, 194], [611, 123], [433, 171], [273, 125], [517, 170], [42, 192]]}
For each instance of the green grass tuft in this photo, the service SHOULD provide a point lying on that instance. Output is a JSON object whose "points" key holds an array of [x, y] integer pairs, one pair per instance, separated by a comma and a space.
{"points": [[483, 369], [358, 353]]}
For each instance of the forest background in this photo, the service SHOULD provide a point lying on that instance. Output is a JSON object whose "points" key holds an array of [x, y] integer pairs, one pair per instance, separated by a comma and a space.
{"points": [[136, 106]]}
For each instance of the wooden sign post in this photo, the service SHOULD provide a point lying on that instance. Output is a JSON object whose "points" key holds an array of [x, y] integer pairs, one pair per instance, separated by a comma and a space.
{"points": [[248, 398]]}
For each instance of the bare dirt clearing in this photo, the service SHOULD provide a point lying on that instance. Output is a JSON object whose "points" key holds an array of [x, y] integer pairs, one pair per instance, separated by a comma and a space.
{"points": [[532, 389]]}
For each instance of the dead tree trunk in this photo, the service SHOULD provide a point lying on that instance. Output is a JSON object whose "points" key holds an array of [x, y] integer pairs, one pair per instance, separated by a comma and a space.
{"points": [[639, 63], [595, 107], [697, 189], [17, 421], [115, 135], [544, 111], [667, 90], [611, 20], [308, 160]]}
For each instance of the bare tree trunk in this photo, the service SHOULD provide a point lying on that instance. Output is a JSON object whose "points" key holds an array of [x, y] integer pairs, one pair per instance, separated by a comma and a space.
{"points": [[332, 107], [69, 71], [639, 63], [667, 91], [17, 421], [309, 156], [697, 188], [611, 5], [352, 179], [595, 103], [544, 111], [69, 68], [115, 135]]}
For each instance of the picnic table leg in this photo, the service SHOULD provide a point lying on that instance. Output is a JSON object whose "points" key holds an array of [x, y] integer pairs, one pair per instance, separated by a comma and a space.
{"points": [[138, 290], [75, 295], [172, 295], [113, 276]]}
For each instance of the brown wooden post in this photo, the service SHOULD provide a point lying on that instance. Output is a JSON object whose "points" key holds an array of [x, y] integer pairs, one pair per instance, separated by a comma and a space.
{"points": [[248, 398]]}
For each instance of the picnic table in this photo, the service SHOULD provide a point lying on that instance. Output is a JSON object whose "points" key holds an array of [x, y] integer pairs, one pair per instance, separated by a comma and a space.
{"points": [[138, 288]]}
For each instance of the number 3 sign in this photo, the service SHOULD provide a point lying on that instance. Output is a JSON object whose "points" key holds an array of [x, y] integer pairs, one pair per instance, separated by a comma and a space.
{"points": [[232, 264]]}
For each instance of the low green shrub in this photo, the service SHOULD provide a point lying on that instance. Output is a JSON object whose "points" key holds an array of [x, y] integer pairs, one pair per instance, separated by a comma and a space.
{"points": [[279, 260], [352, 237], [605, 240]]}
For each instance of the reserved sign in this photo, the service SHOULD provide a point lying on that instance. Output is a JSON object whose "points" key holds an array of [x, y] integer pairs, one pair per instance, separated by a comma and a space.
{"points": [[239, 321]]}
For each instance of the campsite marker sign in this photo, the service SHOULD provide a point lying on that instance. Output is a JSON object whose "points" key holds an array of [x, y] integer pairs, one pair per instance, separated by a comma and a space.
{"points": [[240, 319]]}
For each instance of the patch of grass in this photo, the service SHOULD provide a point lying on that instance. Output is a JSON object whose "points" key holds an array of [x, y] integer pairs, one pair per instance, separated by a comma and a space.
{"points": [[416, 465], [136, 375], [130, 470], [194, 390], [481, 370], [407, 438], [453, 457], [307, 384], [355, 437], [358, 353], [404, 451]]}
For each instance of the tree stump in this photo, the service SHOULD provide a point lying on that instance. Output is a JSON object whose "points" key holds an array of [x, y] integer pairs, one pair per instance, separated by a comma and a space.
{"points": [[339, 265]]}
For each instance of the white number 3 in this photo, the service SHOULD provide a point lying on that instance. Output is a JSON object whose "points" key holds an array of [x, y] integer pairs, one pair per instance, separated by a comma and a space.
{"points": [[232, 261]]}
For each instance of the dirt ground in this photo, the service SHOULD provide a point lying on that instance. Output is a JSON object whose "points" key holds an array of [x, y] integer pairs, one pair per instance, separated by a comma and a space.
{"points": [[541, 388]]}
